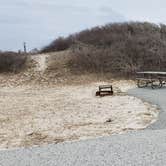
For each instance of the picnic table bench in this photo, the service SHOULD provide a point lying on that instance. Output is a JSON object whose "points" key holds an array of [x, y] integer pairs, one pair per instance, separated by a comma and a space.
{"points": [[152, 78], [105, 90]]}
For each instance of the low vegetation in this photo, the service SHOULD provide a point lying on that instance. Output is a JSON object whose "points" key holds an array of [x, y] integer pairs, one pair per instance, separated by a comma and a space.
{"points": [[12, 62], [120, 48]]}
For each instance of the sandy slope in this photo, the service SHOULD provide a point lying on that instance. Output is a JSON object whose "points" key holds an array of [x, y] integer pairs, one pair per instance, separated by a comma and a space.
{"points": [[41, 62]]}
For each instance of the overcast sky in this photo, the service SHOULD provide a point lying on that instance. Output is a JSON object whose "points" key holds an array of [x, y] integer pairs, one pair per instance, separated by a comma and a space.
{"points": [[38, 22]]}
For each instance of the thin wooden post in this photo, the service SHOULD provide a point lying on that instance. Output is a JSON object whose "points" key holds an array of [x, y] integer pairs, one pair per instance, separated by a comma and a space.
{"points": [[25, 48]]}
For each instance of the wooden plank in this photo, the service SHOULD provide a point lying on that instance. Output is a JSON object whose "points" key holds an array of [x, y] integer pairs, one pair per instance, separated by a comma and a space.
{"points": [[105, 86], [152, 72]]}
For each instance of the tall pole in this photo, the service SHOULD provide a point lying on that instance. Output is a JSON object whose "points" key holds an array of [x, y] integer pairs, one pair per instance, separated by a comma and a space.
{"points": [[25, 48]]}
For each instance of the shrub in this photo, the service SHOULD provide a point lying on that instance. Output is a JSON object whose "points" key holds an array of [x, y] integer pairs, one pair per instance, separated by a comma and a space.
{"points": [[12, 62], [59, 44]]}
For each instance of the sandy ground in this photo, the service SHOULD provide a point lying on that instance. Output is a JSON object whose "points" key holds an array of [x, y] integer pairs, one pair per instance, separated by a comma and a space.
{"points": [[30, 116]]}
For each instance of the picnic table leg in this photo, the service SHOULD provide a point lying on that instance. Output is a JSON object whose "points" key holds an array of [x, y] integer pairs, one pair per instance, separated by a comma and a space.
{"points": [[161, 83], [158, 85]]}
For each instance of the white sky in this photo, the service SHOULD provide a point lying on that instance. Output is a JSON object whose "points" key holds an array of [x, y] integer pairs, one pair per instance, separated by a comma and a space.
{"points": [[38, 22]]}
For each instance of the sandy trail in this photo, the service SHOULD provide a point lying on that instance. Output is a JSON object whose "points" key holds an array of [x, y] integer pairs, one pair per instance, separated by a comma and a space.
{"points": [[41, 62], [31, 116]]}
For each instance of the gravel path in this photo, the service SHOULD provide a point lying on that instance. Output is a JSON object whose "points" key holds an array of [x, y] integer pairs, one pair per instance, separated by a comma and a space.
{"points": [[143, 148]]}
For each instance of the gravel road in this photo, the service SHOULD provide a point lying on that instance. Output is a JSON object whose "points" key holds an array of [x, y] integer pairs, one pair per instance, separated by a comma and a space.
{"points": [[142, 148]]}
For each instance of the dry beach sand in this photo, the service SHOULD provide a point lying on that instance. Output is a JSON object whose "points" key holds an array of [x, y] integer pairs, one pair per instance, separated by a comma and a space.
{"points": [[34, 116]]}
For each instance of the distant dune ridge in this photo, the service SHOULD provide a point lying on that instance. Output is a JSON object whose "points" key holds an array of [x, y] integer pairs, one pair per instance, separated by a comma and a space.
{"points": [[120, 48]]}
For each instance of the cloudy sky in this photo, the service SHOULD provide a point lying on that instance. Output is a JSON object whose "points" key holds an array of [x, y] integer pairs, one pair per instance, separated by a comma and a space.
{"points": [[38, 22]]}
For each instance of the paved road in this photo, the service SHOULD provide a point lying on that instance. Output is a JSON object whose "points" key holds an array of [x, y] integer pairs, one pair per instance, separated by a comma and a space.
{"points": [[143, 148]]}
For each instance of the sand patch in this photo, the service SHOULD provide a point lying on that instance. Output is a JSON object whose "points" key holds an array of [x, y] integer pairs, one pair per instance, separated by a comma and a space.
{"points": [[30, 116]]}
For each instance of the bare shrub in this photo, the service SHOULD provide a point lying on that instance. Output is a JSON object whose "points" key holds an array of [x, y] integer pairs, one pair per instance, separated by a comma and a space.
{"points": [[12, 62], [59, 44]]}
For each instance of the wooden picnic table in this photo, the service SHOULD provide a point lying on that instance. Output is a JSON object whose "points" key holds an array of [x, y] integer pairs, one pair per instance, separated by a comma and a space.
{"points": [[153, 78]]}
